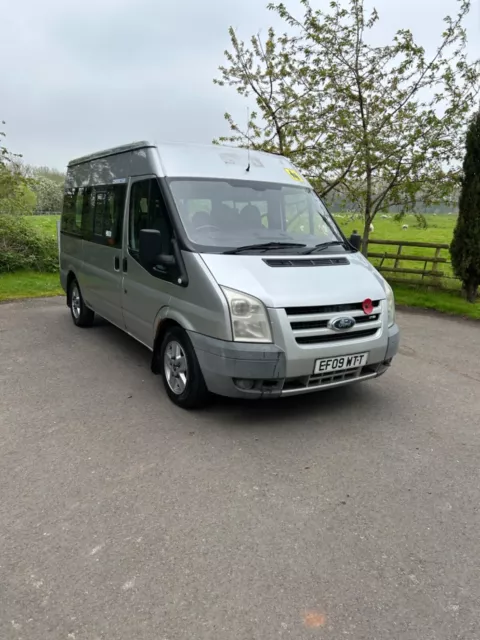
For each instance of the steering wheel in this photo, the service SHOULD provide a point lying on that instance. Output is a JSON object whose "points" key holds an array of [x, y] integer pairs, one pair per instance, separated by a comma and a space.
{"points": [[208, 226]]}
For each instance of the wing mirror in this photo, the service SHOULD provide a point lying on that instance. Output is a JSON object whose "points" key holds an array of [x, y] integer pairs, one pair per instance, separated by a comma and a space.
{"points": [[150, 249]]}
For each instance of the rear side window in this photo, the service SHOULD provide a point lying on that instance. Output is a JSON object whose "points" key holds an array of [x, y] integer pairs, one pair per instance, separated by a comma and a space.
{"points": [[99, 201], [72, 211], [95, 213]]}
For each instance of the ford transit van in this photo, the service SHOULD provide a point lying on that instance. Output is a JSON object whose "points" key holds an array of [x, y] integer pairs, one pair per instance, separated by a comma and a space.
{"points": [[227, 266]]}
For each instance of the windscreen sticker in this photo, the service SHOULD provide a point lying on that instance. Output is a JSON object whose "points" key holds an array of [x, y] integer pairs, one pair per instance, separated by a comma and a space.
{"points": [[294, 175]]}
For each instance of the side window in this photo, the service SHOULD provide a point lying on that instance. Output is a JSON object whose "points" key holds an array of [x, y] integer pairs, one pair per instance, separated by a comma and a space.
{"points": [[99, 201], [79, 209], [72, 214], [147, 211], [103, 212], [138, 215], [114, 212]]}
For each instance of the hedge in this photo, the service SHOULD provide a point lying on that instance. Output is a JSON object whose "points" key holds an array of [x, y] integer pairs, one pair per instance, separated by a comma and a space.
{"points": [[22, 247]]}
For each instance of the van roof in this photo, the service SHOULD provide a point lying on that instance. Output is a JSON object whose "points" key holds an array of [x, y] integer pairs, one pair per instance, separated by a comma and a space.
{"points": [[125, 148], [210, 161]]}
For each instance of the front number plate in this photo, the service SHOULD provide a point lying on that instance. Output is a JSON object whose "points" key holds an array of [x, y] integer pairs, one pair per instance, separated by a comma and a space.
{"points": [[341, 363]]}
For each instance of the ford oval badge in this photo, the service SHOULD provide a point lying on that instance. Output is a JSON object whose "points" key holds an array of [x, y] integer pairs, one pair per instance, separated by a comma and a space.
{"points": [[341, 324]]}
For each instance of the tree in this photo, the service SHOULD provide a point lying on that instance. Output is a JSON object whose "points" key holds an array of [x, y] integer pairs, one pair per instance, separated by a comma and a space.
{"points": [[377, 125], [52, 174], [22, 202], [465, 248], [44, 172], [49, 195], [15, 193], [48, 185]]}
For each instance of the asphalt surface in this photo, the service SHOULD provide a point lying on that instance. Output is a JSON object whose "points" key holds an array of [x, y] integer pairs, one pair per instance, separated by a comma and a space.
{"points": [[347, 514]]}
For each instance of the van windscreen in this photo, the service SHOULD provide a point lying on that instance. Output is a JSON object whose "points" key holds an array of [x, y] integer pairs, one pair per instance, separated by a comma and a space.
{"points": [[221, 215]]}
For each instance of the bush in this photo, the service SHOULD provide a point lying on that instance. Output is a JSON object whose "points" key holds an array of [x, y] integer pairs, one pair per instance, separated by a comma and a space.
{"points": [[22, 247], [22, 200]]}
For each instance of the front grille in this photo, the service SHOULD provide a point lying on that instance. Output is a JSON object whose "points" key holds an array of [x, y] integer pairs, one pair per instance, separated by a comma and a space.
{"points": [[338, 308], [336, 337], [322, 324], [310, 325]]}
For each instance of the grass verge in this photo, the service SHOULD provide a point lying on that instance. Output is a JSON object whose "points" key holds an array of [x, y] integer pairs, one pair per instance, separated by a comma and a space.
{"points": [[29, 284], [441, 301]]}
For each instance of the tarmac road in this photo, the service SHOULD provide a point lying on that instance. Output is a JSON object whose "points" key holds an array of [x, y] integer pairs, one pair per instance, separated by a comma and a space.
{"points": [[346, 514]]}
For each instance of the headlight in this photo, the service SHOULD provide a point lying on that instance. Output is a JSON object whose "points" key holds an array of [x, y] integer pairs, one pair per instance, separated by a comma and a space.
{"points": [[390, 303], [249, 317]]}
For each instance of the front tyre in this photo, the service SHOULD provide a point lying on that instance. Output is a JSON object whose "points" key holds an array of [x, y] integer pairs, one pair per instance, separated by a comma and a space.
{"points": [[82, 316], [182, 376]]}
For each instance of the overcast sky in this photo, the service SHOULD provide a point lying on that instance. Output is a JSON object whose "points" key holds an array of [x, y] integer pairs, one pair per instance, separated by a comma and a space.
{"points": [[77, 77]]}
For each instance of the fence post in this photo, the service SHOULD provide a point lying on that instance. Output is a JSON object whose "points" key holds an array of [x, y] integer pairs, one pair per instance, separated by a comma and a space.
{"points": [[399, 251], [425, 268], [435, 267]]}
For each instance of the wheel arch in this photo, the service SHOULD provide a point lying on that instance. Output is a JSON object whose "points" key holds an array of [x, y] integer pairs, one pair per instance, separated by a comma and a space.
{"points": [[162, 327], [70, 278]]}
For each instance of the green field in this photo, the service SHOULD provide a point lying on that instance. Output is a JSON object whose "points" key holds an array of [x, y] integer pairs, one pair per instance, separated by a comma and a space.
{"points": [[440, 230]]}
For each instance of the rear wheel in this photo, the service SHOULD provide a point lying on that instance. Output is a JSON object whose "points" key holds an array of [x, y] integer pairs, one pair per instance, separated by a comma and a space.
{"points": [[82, 316], [182, 376]]}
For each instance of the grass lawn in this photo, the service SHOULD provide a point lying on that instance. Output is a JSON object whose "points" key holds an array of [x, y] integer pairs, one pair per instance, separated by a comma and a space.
{"points": [[444, 302], [29, 284]]}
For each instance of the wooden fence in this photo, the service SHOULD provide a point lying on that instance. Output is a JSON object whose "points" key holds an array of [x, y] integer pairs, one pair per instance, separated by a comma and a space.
{"points": [[423, 263]]}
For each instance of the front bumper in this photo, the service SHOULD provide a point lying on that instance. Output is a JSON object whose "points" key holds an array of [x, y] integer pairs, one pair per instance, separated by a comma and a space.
{"points": [[227, 365]]}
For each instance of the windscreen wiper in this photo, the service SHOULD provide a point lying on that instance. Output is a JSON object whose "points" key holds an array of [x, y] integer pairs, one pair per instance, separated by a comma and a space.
{"points": [[324, 245], [265, 247]]}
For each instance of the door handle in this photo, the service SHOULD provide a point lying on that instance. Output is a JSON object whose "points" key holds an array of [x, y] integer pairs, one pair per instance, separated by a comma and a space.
{"points": [[125, 265], [117, 263]]}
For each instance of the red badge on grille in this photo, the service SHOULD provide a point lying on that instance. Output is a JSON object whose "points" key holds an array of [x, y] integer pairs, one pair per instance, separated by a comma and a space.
{"points": [[367, 306]]}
